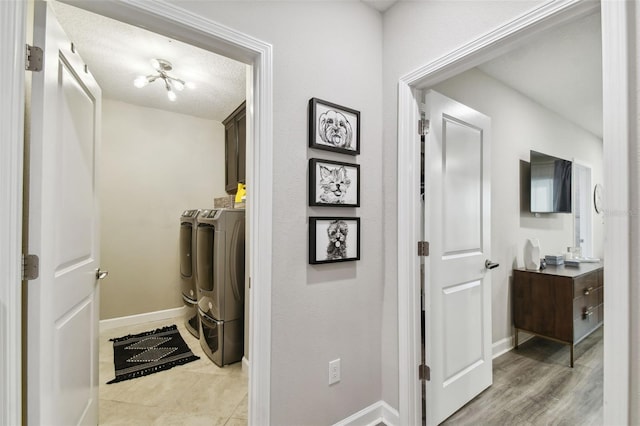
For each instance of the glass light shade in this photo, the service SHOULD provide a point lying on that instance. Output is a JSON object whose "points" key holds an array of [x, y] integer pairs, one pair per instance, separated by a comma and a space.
{"points": [[140, 81], [155, 64], [178, 85], [171, 95]]}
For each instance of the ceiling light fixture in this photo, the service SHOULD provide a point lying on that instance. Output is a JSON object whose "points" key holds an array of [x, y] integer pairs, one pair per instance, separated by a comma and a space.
{"points": [[162, 66]]}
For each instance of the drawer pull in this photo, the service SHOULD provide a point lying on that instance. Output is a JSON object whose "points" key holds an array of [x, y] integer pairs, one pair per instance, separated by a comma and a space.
{"points": [[587, 312], [587, 291]]}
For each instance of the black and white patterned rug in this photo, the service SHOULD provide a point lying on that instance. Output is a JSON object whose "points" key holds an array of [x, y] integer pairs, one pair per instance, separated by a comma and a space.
{"points": [[137, 355]]}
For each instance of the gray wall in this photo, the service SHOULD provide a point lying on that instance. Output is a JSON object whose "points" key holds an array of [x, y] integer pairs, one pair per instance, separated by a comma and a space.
{"points": [[329, 50], [154, 165]]}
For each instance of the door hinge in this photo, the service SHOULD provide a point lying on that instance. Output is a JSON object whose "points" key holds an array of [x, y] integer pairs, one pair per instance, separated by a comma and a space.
{"points": [[424, 373], [30, 267], [423, 248], [33, 58], [423, 127]]}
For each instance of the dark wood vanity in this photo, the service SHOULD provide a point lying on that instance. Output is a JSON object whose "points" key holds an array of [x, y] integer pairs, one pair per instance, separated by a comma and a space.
{"points": [[560, 303]]}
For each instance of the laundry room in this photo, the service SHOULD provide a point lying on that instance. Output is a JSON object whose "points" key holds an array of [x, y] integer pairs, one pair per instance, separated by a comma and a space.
{"points": [[171, 125]]}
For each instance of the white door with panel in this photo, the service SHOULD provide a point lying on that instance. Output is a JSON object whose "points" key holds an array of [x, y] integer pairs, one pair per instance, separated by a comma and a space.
{"points": [[458, 227], [63, 302]]}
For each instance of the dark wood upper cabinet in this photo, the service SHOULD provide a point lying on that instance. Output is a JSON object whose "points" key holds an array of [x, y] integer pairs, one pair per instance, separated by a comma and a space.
{"points": [[235, 136]]}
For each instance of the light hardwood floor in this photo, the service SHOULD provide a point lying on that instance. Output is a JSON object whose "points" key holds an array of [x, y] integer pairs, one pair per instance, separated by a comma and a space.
{"points": [[534, 385], [197, 393]]}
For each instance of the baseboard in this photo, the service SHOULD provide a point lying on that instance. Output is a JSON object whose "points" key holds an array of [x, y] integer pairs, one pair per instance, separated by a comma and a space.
{"points": [[246, 367], [505, 345], [379, 412], [108, 324]]}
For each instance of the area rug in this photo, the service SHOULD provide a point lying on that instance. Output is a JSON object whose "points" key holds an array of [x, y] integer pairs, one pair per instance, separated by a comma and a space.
{"points": [[138, 355]]}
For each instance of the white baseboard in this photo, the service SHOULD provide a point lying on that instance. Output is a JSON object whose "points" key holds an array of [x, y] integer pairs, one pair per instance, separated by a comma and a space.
{"points": [[246, 367], [108, 324], [379, 412], [503, 346]]}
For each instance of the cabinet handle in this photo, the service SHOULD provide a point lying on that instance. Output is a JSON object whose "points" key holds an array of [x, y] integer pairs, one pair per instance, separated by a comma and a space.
{"points": [[587, 291], [587, 312]]}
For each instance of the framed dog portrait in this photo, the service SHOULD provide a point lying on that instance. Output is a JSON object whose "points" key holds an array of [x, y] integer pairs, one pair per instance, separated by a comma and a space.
{"points": [[333, 127], [332, 183], [334, 239]]}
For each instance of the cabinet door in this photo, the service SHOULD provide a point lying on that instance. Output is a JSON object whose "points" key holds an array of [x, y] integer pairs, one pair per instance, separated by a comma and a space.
{"points": [[241, 129], [231, 153], [543, 304]]}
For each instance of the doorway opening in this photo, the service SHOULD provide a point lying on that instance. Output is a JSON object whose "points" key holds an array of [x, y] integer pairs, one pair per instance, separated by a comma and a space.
{"points": [[172, 22], [525, 92], [410, 92]]}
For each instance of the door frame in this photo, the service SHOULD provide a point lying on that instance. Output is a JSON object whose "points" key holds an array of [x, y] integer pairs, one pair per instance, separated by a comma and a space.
{"points": [[175, 22], [617, 33], [12, 40]]}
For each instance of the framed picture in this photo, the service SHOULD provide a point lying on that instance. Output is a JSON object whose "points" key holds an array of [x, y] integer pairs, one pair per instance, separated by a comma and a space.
{"points": [[332, 183], [334, 239], [333, 127]]}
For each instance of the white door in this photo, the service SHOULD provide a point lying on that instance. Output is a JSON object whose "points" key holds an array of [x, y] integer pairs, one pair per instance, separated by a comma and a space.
{"points": [[62, 305], [457, 226]]}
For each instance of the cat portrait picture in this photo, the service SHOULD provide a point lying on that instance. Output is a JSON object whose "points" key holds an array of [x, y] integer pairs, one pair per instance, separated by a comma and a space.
{"points": [[333, 127], [334, 239], [333, 183]]}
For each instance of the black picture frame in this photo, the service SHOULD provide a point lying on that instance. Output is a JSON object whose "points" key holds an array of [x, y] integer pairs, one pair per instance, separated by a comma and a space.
{"points": [[341, 244], [333, 127], [333, 183]]}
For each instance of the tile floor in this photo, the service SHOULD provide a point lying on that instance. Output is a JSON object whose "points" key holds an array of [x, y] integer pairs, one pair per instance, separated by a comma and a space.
{"points": [[197, 393]]}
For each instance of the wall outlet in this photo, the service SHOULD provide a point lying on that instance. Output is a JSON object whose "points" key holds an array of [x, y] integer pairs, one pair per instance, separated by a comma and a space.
{"points": [[334, 371]]}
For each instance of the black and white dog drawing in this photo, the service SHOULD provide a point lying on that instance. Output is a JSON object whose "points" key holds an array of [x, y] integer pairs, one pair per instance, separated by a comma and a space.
{"points": [[335, 129], [337, 233]]}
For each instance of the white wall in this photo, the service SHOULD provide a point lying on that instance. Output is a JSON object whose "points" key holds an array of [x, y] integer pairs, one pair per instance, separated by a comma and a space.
{"points": [[417, 33], [519, 125], [154, 164], [330, 50]]}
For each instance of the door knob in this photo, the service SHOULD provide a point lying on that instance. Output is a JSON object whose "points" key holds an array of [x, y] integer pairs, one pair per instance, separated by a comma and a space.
{"points": [[100, 275], [490, 265]]}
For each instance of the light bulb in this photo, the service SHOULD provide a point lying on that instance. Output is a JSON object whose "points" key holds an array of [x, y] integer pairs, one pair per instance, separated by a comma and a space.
{"points": [[177, 84], [190, 85], [140, 81], [171, 95], [155, 64]]}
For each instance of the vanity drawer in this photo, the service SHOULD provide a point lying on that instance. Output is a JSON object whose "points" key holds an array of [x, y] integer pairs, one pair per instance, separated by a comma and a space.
{"points": [[583, 303], [586, 323], [586, 284]]}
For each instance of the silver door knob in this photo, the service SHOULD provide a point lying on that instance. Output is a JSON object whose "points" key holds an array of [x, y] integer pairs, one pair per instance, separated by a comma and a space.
{"points": [[100, 275], [490, 265]]}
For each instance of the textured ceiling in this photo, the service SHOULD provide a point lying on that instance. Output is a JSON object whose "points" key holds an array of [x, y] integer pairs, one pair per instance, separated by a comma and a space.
{"points": [[117, 53], [561, 70]]}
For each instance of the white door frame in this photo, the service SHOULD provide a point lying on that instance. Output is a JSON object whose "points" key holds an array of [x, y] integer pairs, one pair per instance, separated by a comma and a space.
{"points": [[618, 125], [12, 40], [185, 26]]}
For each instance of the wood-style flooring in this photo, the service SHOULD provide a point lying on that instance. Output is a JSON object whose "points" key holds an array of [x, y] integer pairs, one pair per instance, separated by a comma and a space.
{"points": [[534, 385]]}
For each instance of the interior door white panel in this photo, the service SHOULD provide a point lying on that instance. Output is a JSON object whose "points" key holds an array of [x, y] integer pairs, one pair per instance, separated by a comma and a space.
{"points": [[462, 172], [75, 184], [463, 339], [63, 302], [457, 285]]}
